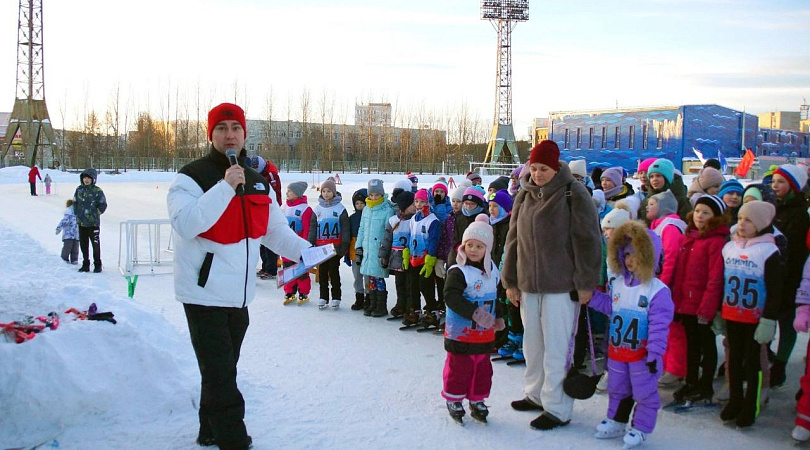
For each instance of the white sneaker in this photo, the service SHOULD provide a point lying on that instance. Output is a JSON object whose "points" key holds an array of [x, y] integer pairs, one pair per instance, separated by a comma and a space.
{"points": [[322, 303], [668, 379], [800, 434], [609, 429], [634, 438], [335, 303], [602, 385]]}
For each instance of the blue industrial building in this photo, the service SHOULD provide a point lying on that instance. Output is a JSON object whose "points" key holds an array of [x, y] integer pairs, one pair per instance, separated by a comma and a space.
{"points": [[623, 137]]}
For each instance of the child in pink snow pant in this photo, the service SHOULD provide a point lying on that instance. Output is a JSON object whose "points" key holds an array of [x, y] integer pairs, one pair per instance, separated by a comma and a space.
{"points": [[302, 284], [467, 376]]}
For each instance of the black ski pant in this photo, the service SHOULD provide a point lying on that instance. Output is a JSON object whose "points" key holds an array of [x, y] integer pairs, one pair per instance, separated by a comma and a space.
{"points": [[216, 335], [329, 271], [269, 260], [33, 188], [743, 365], [701, 355], [439, 291], [88, 235], [401, 283], [421, 286]]}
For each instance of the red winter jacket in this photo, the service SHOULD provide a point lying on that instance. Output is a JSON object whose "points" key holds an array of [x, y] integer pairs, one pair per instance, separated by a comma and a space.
{"points": [[270, 173], [33, 174], [697, 287]]}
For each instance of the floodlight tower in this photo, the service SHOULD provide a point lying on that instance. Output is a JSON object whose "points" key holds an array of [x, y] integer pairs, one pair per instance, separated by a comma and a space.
{"points": [[30, 114], [504, 16]]}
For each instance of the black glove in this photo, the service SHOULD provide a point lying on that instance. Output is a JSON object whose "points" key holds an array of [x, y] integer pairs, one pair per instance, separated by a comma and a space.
{"points": [[359, 258], [653, 366], [383, 263]]}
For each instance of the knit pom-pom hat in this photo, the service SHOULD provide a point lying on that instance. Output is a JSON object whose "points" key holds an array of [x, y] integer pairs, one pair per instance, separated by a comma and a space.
{"points": [[480, 230]]}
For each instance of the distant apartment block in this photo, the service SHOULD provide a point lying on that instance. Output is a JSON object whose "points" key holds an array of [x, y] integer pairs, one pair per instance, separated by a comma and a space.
{"points": [[373, 114], [780, 120]]}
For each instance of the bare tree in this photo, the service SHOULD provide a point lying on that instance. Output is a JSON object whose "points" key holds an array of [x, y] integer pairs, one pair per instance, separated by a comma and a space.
{"points": [[304, 143]]}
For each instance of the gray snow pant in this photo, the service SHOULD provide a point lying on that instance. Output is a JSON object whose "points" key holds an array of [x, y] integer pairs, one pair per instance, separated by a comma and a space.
{"points": [[70, 250]]}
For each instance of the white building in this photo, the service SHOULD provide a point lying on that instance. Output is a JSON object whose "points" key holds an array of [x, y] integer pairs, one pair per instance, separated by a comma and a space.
{"points": [[373, 114]]}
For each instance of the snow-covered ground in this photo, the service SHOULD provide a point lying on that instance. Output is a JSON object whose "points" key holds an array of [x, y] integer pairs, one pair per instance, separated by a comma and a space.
{"points": [[311, 379]]}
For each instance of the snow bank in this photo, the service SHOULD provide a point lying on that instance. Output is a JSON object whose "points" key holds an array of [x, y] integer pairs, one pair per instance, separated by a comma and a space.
{"points": [[85, 372]]}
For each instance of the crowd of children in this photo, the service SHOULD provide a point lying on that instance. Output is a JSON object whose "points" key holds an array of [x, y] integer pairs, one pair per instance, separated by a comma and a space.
{"points": [[680, 268]]}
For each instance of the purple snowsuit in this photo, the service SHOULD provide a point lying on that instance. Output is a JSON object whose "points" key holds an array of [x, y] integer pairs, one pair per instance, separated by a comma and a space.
{"points": [[635, 379]]}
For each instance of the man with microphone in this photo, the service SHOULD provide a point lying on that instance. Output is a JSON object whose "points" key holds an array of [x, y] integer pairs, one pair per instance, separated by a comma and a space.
{"points": [[221, 212]]}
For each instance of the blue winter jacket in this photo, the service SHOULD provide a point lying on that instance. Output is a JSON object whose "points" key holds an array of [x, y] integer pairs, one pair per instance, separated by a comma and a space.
{"points": [[370, 236], [442, 209]]}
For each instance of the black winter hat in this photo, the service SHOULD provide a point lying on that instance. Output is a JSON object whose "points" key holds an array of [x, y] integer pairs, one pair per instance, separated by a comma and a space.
{"points": [[404, 200], [500, 183], [359, 195]]}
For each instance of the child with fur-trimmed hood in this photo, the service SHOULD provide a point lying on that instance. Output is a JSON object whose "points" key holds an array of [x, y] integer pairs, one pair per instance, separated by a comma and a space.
{"points": [[640, 309]]}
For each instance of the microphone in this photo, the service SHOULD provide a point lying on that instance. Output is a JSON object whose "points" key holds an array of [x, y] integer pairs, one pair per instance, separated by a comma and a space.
{"points": [[231, 154]]}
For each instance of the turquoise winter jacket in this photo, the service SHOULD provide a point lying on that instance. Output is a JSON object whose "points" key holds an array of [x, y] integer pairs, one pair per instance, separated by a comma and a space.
{"points": [[370, 236]]}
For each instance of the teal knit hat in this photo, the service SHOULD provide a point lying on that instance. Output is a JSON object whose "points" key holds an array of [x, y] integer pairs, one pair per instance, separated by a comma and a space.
{"points": [[664, 167]]}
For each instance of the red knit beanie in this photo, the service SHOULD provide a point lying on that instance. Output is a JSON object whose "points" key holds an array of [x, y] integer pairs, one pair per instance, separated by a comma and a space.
{"points": [[225, 111], [546, 152]]}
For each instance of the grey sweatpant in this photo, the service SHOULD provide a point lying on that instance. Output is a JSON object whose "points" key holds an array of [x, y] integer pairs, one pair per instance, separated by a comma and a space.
{"points": [[359, 286]]}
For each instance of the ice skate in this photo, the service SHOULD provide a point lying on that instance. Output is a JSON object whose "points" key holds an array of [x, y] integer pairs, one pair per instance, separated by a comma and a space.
{"points": [[609, 429], [335, 303], [800, 434], [289, 298], [634, 438], [479, 411], [456, 410], [302, 299]]}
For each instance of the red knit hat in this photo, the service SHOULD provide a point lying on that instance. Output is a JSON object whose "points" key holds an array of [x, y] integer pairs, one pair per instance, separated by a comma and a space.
{"points": [[225, 111], [546, 152]]}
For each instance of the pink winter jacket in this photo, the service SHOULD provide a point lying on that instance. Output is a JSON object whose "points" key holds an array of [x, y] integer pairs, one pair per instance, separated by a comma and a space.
{"points": [[697, 288], [671, 238]]}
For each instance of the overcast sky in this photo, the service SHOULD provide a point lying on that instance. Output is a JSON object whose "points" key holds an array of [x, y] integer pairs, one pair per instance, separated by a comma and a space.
{"points": [[417, 54]]}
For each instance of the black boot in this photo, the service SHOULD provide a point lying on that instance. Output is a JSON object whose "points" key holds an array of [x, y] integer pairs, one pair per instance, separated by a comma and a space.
{"points": [[371, 300], [526, 404], [547, 421], [731, 411], [359, 300], [97, 267], [381, 307], [85, 267], [777, 373]]}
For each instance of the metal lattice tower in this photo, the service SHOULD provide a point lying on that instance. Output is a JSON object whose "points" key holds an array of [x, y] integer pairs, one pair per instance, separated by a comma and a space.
{"points": [[29, 118], [504, 16]]}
